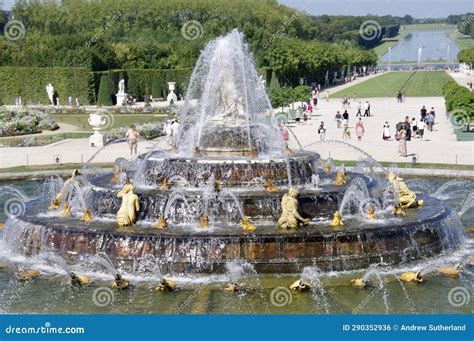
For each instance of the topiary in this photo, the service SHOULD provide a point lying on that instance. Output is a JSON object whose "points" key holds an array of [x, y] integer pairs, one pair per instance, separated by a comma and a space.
{"points": [[106, 91]]}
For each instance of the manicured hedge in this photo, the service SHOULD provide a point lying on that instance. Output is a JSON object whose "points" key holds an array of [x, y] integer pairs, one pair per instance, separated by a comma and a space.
{"points": [[30, 83], [459, 98]]}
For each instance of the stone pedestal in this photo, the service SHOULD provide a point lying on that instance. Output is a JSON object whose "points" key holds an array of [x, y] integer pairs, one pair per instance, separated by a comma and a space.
{"points": [[121, 98], [171, 95], [97, 139]]}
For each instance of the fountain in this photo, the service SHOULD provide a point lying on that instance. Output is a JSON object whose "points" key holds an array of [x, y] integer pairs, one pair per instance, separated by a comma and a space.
{"points": [[218, 195]]}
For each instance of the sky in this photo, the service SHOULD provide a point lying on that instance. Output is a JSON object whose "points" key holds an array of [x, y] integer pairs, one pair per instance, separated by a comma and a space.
{"points": [[415, 8]]}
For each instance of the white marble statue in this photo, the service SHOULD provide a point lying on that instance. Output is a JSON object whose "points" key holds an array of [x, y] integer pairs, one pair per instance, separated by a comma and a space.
{"points": [[121, 94], [121, 86], [50, 91], [230, 106]]}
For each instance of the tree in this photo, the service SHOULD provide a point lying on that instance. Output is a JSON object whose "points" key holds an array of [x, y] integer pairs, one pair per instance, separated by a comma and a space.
{"points": [[274, 84], [157, 87], [466, 56], [106, 91]]}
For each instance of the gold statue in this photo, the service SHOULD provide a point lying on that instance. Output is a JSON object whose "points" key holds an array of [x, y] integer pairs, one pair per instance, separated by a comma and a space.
{"points": [[87, 217], [165, 185], [116, 178], [340, 178], [204, 221], [406, 197], [26, 275], [166, 285], [289, 152], [120, 283], [57, 200], [371, 215], [232, 287], [66, 210], [452, 270], [290, 217], [161, 224], [411, 277], [79, 280], [358, 283], [398, 211], [246, 225], [217, 186], [300, 285], [336, 220], [327, 168], [127, 214], [270, 187]]}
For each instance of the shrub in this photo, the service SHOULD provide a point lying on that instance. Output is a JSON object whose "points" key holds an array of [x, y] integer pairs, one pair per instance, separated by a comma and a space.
{"points": [[21, 122], [106, 91]]}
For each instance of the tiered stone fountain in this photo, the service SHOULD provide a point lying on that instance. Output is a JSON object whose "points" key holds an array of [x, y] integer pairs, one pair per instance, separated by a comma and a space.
{"points": [[231, 190]]}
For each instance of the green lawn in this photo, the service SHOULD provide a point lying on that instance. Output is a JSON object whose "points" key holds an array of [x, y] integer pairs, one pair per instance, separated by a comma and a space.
{"points": [[417, 84], [120, 120], [465, 42], [435, 26]]}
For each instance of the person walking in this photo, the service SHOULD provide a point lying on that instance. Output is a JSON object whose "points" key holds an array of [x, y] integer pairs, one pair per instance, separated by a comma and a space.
{"points": [[429, 121], [338, 119], [421, 129], [327, 95], [366, 108], [322, 131], [360, 130], [423, 113], [359, 109], [386, 131], [402, 141], [345, 117], [407, 128], [346, 133], [131, 137], [414, 127]]}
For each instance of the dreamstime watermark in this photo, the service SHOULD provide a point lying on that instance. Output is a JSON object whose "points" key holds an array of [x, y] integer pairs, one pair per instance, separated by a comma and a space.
{"points": [[458, 296], [190, 299], [459, 118], [14, 207], [366, 300], [14, 30], [192, 30], [281, 30], [281, 297], [103, 296], [46, 329], [109, 23], [466, 20], [370, 30]]}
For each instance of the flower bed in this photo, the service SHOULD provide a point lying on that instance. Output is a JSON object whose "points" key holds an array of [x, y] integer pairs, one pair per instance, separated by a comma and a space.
{"points": [[147, 131], [25, 121]]}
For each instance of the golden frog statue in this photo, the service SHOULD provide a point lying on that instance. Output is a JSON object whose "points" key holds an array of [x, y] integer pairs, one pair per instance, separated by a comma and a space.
{"points": [[336, 220], [246, 225], [327, 168], [358, 283], [371, 215], [58, 199], [406, 197], [165, 185], [452, 270], [127, 214], [161, 224], [411, 277], [79, 280], [300, 285], [120, 283], [269, 186], [204, 221], [166, 285], [340, 178], [290, 217], [66, 210], [87, 217]]}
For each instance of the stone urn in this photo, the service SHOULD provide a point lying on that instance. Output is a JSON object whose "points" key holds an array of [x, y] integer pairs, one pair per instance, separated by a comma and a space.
{"points": [[172, 98], [97, 121]]}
